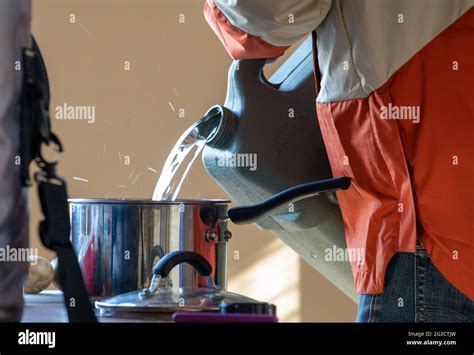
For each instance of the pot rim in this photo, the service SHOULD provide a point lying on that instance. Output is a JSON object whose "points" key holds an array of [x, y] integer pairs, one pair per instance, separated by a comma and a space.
{"points": [[145, 201]]}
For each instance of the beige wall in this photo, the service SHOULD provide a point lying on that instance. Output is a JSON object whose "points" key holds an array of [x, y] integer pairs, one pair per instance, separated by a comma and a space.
{"points": [[181, 63]]}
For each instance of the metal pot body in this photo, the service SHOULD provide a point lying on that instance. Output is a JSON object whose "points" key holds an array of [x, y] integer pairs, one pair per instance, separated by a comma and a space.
{"points": [[117, 241]]}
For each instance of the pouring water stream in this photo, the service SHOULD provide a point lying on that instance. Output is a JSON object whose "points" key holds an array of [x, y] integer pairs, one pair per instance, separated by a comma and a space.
{"points": [[181, 158]]}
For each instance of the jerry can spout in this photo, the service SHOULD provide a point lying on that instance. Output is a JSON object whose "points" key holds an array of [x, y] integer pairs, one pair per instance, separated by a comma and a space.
{"points": [[218, 126]]}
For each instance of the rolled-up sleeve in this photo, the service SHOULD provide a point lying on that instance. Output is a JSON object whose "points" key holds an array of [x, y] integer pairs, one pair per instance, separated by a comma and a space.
{"points": [[263, 28]]}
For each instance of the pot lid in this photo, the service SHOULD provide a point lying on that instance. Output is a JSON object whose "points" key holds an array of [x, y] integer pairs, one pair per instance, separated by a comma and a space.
{"points": [[160, 297], [167, 300]]}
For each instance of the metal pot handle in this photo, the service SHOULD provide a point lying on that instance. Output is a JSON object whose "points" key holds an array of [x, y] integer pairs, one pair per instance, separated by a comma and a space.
{"points": [[252, 213], [170, 260], [156, 252]]}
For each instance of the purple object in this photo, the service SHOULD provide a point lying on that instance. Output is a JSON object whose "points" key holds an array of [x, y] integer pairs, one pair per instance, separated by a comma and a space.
{"points": [[209, 317]]}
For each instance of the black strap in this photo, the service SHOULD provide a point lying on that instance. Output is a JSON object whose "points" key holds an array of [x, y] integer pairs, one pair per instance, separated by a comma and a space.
{"points": [[54, 231], [35, 127], [317, 73], [35, 131]]}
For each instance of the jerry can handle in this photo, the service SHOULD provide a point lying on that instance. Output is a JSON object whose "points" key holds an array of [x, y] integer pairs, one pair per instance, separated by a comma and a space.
{"points": [[252, 213]]}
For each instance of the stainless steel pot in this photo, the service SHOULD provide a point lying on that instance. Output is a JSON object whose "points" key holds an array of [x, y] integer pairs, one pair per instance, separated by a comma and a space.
{"points": [[118, 240]]}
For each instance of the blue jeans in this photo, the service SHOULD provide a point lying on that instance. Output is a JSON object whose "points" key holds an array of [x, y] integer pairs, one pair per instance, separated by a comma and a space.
{"points": [[415, 291]]}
